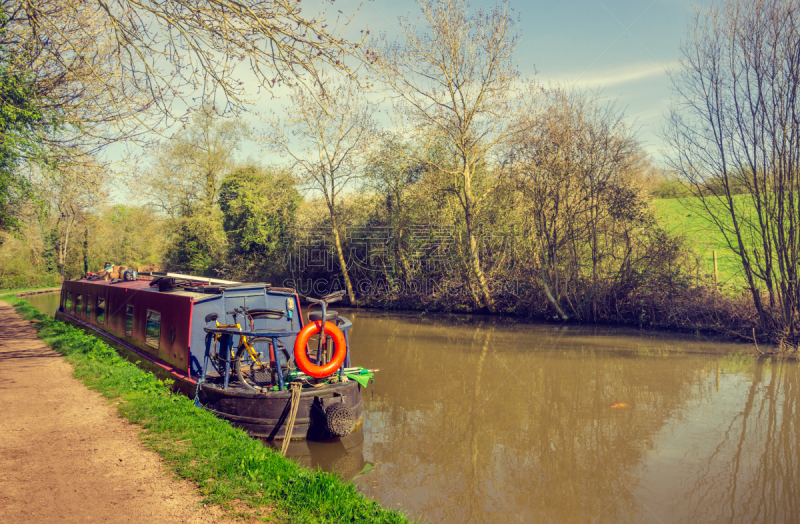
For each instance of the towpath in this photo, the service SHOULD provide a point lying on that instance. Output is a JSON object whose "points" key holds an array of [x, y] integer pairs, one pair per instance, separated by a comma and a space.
{"points": [[65, 456]]}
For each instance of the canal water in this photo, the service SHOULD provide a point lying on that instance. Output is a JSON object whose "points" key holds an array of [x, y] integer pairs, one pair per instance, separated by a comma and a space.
{"points": [[46, 302], [475, 419]]}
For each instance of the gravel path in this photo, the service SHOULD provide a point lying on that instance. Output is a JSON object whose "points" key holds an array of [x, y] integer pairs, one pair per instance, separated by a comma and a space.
{"points": [[65, 456]]}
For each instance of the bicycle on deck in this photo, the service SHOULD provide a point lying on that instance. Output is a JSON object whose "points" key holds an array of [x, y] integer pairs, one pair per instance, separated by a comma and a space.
{"points": [[246, 363], [245, 360]]}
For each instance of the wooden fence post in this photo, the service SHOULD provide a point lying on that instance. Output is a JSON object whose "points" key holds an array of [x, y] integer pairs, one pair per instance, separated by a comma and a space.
{"points": [[716, 272]]}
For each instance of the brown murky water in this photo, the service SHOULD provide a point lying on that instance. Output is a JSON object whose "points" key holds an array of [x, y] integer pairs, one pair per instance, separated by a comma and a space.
{"points": [[482, 421], [479, 420], [46, 302]]}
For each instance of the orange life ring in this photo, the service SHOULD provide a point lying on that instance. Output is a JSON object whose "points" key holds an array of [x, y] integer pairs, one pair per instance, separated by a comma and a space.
{"points": [[301, 357]]}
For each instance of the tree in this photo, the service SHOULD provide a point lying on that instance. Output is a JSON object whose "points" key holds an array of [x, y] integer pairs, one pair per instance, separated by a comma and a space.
{"points": [[196, 243], [187, 170], [121, 69], [184, 183], [170, 50], [258, 208], [734, 125], [392, 172], [71, 197], [23, 127], [127, 235], [325, 134], [581, 172], [454, 80], [17, 114]]}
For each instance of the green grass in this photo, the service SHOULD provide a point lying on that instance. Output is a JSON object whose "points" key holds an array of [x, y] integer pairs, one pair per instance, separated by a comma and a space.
{"points": [[686, 216], [227, 465], [18, 283]]}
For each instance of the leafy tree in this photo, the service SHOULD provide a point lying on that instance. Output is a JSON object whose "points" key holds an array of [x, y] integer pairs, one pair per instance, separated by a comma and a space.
{"points": [[21, 123], [196, 243], [127, 235], [258, 208], [49, 251], [71, 197], [184, 183], [393, 171], [187, 170]]}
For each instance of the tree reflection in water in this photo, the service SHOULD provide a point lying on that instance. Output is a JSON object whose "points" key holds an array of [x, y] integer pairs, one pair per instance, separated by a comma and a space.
{"points": [[483, 422], [745, 469]]}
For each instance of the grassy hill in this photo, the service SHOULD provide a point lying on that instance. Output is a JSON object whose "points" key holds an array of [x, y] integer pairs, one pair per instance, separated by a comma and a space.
{"points": [[687, 217]]}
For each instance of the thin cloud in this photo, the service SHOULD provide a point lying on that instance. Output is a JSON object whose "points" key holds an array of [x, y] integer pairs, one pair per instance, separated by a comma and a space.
{"points": [[621, 75]]}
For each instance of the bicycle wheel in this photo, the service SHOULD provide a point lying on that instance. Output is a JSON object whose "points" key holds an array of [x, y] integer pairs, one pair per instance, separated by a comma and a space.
{"points": [[254, 373]]}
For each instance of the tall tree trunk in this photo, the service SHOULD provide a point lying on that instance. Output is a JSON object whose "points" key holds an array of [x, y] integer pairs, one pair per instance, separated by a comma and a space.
{"points": [[595, 257], [338, 243], [64, 245], [475, 260], [85, 251], [474, 248], [400, 259], [211, 191]]}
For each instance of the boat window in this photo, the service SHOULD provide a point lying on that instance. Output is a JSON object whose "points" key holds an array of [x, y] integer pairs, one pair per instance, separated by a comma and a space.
{"points": [[68, 302], [78, 304], [101, 310], [129, 321], [88, 307], [153, 333]]}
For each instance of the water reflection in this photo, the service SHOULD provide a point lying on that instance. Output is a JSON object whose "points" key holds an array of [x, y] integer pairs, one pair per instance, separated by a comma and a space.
{"points": [[478, 422], [47, 303], [342, 456], [740, 461]]}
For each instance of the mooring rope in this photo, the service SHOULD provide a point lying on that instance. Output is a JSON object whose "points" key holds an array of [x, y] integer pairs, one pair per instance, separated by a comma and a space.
{"points": [[297, 388], [197, 402]]}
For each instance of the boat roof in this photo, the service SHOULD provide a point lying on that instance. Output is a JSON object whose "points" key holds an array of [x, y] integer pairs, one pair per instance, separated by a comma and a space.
{"points": [[199, 288], [139, 285]]}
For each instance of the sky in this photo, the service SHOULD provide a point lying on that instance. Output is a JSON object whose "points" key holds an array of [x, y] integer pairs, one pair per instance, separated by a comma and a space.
{"points": [[620, 48]]}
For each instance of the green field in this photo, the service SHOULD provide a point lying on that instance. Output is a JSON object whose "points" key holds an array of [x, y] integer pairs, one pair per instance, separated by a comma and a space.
{"points": [[688, 218]]}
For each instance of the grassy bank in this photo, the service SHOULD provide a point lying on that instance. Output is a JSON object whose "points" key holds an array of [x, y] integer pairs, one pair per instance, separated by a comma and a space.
{"points": [[28, 281], [229, 467]]}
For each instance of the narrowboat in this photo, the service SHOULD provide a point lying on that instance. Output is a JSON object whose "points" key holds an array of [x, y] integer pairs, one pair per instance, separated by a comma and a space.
{"points": [[196, 332]]}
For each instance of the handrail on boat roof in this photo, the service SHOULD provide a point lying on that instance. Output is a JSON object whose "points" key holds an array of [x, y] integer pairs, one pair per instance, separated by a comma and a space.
{"points": [[193, 278]]}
